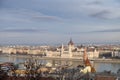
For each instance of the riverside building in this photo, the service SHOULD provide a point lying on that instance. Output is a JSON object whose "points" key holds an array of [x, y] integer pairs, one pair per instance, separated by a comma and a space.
{"points": [[72, 51], [64, 51]]}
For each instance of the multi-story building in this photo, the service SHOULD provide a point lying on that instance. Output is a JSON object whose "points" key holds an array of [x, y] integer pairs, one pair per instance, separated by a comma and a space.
{"points": [[67, 51], [71, 51], [116, 54]]}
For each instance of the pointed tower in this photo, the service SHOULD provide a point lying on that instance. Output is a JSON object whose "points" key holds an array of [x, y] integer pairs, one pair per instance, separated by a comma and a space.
{"points": [[70, 51], [62, 49], [85, 59], [70, 47], [87, 62], [71, 44]]}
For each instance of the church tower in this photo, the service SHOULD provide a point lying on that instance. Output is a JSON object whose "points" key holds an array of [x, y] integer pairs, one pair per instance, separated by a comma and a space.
{"points": [[70, 47]]}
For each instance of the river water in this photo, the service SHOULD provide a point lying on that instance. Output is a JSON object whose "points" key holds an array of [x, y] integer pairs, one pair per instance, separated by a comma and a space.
{"points": [[100, 67]]}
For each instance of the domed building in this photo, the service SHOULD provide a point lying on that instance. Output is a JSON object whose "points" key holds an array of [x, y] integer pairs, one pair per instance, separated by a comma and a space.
{"points": [[71, 44], [72, 51], [67, 52]]}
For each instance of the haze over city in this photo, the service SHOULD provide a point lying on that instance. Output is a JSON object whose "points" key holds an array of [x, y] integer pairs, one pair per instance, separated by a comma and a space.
{"points": [[56, 21]]}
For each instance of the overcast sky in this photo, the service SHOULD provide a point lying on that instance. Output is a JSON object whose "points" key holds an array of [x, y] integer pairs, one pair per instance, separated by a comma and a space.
{"points": [[56, 21]]}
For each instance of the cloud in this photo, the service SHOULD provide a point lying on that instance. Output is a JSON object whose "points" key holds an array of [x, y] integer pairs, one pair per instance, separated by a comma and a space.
{"points": [[95, 3], [102, 14], [107, 14], [94, 31], [24, 30], [26, 16], [67, 9], [106, 31], [46, 18], [80, 17], [101, 9]]}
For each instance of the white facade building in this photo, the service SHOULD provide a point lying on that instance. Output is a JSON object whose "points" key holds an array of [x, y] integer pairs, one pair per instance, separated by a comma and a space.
{"points": [[116, 54], [73, 52]]}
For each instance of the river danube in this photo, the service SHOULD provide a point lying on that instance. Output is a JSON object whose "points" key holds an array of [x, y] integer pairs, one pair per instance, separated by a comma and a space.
{"points": [[99, 66]]}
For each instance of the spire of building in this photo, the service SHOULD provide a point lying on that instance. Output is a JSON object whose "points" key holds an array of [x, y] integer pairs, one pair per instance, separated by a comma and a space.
{"points": [[87, 61], [70, 42], [62, 49], [85, 55]]}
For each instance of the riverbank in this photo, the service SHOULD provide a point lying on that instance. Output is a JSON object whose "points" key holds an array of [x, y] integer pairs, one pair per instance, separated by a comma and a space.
{"points": [[97, 60], [107, 60], [99, 64]]}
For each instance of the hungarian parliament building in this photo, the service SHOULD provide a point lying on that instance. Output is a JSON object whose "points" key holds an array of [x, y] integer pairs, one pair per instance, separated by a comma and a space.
{"points": [[63, 51], [71, 51]]}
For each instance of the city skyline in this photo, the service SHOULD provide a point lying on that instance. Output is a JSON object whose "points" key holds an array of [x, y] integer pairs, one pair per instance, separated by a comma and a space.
{"points": [[56, 21]]}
